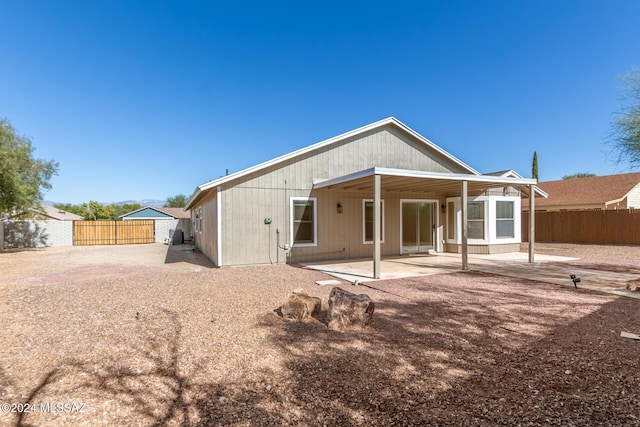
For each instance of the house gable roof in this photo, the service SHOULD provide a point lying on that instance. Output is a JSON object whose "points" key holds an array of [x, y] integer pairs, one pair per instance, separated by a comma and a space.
{"points": [[335, 140], [177, 213], [513, 174], [49, 212], [603, 190], [61, 215]]}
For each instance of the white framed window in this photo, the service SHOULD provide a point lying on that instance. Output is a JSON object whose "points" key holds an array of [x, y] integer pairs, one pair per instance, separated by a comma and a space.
{"points": [[197, 220], [451, 220], [475, 220], [367, 221], [304, 221], [505, 221]]}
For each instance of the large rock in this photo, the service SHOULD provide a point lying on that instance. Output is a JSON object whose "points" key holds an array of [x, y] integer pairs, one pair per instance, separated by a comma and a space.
{"points": [[633, 285], [299, 305], [347, 309]]}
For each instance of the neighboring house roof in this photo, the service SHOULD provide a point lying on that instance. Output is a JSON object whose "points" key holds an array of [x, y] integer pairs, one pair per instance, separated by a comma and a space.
{"points": [[50, 212], [177, 213], [149, 212], [59, 214], [337, 139], [588, 192]]}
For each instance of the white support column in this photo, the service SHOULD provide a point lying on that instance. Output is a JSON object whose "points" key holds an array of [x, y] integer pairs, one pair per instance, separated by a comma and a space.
{"points": [[464, 201], [532, 222], [219, 226], [376, 226]]}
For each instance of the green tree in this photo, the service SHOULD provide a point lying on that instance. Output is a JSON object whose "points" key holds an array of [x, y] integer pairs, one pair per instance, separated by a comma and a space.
{"points": [[625, 137], [179, 201], [124, 208], [95, 211], [23, 178], [579, 175], [534, 166]]}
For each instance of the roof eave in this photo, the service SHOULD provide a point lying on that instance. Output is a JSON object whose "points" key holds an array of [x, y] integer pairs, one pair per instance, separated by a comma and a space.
{"points": [[389, 120], [425, 175]]}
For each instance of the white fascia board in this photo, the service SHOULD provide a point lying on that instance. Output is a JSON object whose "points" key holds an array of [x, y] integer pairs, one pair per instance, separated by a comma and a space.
{"points": [[424, 175], [344, 178], [389, 120], [508, 173], [541, 192], [453, 176], [612, 202], [192, 199]]}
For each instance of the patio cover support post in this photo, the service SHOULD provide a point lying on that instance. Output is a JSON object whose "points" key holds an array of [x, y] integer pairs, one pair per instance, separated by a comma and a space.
{"points": [[376, 226], [532, 222], [464, 208]]}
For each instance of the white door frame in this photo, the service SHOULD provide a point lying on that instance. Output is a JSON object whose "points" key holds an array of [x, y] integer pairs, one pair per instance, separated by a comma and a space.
{"points": [[436, 220]]}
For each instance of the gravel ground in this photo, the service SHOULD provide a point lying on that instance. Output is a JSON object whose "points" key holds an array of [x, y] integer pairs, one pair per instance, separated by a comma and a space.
{"points": [[136, 335], [622, 259]]}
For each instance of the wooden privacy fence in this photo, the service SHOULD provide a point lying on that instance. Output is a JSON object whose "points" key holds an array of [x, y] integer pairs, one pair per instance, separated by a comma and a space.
{"points": [[605, 227], [113, 232]]}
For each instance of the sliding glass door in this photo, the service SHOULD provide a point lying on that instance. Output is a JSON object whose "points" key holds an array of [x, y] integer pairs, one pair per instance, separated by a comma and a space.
{"points": [[418, 226]]}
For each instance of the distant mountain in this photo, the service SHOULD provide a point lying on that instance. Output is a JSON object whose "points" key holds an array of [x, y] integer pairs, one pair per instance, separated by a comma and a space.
{"points": [[154, 203]]}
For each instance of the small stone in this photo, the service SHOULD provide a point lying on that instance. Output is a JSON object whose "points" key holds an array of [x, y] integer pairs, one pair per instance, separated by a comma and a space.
{"points": [[567, 372], [222, 399], [633, 285]]}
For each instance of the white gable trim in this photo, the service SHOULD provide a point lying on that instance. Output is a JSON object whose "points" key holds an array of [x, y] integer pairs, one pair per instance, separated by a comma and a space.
{"points": [[388, 121]]}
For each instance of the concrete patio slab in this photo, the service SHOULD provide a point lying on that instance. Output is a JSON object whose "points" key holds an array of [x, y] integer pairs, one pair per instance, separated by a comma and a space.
{"points": [[330, 282], [547, 268]]}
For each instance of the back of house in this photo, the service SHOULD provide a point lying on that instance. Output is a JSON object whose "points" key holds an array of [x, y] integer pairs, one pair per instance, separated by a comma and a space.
{"points": [[317, 203]]}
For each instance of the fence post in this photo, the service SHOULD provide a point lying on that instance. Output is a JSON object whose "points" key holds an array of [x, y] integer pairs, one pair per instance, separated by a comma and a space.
{"points": [[1, 236]]}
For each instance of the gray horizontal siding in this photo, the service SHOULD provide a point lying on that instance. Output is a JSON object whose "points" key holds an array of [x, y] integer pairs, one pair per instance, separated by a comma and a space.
{"points": [[247, 201], [248, 240]]}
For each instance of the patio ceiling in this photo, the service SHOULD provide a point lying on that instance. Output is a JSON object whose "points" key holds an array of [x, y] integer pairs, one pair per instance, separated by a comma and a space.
{"points": [[402, 180]]}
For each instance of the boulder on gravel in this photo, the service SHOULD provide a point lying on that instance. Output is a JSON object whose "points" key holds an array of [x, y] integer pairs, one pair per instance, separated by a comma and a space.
{"points": [[300, 305], [347, 309], [633, 285]]}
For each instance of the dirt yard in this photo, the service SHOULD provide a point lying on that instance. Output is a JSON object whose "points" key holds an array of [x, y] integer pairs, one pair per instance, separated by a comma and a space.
{"points": [[136, 335]]}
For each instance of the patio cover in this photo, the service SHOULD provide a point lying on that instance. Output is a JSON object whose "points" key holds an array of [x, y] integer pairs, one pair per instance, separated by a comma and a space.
{"points": [[376, 179]]}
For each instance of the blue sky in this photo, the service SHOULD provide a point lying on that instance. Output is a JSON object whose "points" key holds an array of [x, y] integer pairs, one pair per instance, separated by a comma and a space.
{"points": [[148, 99]]}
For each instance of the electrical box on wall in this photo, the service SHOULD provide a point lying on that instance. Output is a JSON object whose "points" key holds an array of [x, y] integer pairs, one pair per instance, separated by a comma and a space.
{"points": [[267, 220]]}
